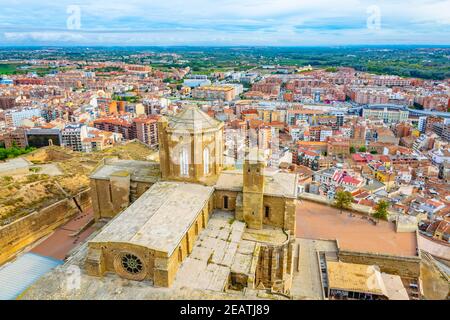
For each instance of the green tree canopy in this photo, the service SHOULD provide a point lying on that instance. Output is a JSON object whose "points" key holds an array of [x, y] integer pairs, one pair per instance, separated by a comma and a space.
{"points": [[8, 153], [343, 200], [381, 210]]}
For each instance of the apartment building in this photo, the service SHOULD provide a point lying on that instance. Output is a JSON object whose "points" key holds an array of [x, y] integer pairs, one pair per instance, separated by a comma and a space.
{"points": [[73, 135], [16, 138], [390, 81], [338, 146], [297, 115], [442, 130], [389, 114], [224, 93], [14, 117], [116, 125], [146, 130]]}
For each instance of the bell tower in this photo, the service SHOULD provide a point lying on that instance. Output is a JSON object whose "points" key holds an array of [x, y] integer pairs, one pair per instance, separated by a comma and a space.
{"points": [[253, 191]]}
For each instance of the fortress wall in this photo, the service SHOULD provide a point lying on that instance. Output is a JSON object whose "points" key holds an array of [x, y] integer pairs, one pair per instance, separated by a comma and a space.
{"points": [[22, 232], [408, 267]]}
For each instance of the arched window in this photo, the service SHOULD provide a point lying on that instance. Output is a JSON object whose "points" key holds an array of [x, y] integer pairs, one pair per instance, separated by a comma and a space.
{"points": [[206, 161], [184, 162], [225, 202], [267, 211]]}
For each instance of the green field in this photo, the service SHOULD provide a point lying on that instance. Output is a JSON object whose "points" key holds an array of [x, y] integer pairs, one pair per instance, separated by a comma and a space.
{"points": [[10, 68], [14, 68]]}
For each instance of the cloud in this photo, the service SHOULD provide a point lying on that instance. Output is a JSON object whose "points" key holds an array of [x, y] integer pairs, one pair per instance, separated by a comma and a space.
{"points": [[266, 22]]}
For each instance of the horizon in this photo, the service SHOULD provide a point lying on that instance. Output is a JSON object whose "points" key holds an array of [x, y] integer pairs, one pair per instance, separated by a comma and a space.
{"points": [[417, 45], [230, 23]]}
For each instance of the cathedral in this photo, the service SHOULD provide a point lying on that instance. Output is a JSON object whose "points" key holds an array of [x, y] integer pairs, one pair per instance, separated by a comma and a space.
{"points": [[155, 213]]}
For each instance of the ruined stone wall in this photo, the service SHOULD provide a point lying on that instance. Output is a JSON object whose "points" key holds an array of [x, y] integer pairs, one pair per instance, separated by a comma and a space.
{"points": [[23, 232], [109, 197], [275, 267], [101, 198], [290, 216], [408, 267], [120, 191], [141, 187], [239, 281]]}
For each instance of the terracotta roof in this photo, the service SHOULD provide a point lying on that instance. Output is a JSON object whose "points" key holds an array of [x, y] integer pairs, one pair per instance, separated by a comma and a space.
{"points": [[250, 111], [351, 180], [306, 111], [358, 157], [115, 121], [434, 203], [384, 158], [443, 226], [145, 120]]}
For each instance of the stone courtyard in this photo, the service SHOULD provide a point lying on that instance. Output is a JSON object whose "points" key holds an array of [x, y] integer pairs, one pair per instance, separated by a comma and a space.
{"points": [[218, 251]]}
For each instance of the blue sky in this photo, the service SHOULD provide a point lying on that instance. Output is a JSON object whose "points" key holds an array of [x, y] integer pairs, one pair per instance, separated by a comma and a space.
{"points": [[224, 22]]}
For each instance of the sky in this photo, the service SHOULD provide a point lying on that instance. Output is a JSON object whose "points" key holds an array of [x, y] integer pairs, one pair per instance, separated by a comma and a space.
{"points": [[224, 22]]}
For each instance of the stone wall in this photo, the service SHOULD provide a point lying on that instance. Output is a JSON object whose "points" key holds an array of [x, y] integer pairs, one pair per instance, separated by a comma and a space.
{"points": [[21, 233], [281, 213], [275, 267], [112, 196], [281, 210], [408, 267], [219, 202], [355, 207]]}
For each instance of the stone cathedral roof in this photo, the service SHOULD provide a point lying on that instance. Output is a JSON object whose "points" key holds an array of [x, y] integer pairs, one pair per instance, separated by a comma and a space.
{"points": [[194, 120], [159, 218]]}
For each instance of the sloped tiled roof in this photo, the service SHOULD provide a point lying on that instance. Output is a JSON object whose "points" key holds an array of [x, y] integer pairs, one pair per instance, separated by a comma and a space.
{"points": [[193, 119]]}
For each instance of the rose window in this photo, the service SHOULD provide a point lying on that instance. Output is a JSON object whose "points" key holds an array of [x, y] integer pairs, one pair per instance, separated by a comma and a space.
{"points": [[131, 263]]}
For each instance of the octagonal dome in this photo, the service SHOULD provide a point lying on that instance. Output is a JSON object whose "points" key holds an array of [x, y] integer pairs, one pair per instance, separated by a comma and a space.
{"points": [[193, 119]]}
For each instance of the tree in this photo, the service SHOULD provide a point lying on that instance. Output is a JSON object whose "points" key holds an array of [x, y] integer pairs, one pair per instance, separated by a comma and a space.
{"points": [[362, 149], [343, 200], [13, 152], [352, 149], [381, 210]]}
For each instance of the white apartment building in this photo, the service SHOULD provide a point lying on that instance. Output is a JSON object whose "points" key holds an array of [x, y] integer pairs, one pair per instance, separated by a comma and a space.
{"points": [[386, 113], [73, 135], [14, 118]]}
